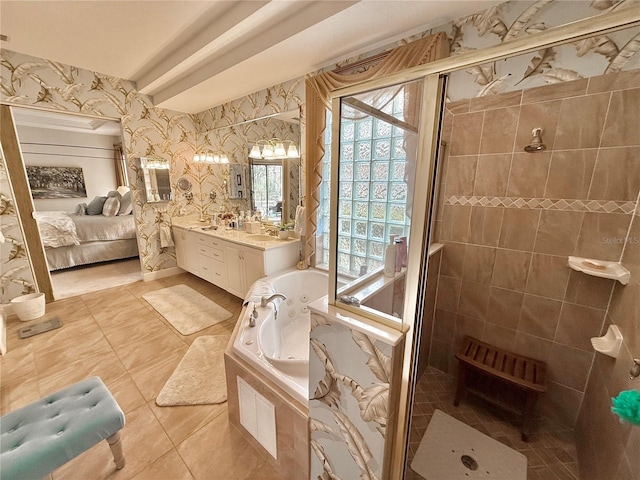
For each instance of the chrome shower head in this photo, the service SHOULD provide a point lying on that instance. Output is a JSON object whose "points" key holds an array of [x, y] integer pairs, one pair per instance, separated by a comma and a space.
{"points": [[536, 144]]}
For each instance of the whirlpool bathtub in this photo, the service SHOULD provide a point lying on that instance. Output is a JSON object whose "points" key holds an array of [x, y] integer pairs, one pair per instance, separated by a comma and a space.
{"points": [[278, 345]]}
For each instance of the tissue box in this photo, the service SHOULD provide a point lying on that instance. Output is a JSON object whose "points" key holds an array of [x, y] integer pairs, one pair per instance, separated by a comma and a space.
{"points": [[252, 227]]}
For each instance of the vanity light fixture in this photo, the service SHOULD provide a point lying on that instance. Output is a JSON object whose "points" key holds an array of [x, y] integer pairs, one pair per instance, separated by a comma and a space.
{"points": [[211, 157], [274, 149], [154, 163]]}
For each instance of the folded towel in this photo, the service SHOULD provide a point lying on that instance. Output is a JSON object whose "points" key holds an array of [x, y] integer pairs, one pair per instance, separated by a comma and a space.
{"points": [[165, 236], [300, 220], [260, 288]]}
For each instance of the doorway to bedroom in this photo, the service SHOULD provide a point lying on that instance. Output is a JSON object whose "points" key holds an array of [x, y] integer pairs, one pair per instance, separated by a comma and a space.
{"points": [[78, 182]]}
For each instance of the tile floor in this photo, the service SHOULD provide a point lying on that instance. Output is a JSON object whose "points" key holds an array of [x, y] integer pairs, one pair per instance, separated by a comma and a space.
{"points": [[550, 451], [118, 336]]}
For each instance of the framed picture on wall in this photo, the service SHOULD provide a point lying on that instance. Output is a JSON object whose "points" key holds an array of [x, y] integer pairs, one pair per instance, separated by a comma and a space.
{"points": [[56, 182]]}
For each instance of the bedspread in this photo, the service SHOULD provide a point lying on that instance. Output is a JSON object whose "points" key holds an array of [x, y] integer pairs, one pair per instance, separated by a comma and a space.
{"points": [[94, 228], [56, 229]]}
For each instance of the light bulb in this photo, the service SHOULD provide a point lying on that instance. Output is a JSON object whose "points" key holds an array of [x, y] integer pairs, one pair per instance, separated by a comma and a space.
{"points": [[267, 151], [279, 151], [292, 151], [255, 152]]}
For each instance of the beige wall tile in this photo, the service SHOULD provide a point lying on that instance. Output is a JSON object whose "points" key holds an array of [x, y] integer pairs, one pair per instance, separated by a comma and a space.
{"points": [[558, 232], [617, 81], [532, 346], [617, 174], [474, 299], [471, 327], [534, 115], [499, 336], [448, 293], [602, 236], [578, 324], [460, 222], [555, 91], [631, 253], [548, 276], [519, 228], [439, 355], [492, 175], [499, 129], [465, 137], [511, 269], [485, 225], [569, 366], [570, 174], [539, 316], [457, 107], [478, 264], [623, 118], [528, 174], [625, 313], [504, 307], [444, 326], [588, 290], [561, 404], [580, 122], [452, 259], [461, 173], [500, 100]]}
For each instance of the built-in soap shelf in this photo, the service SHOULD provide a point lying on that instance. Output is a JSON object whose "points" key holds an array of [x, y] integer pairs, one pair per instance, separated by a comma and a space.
{"points": [[609, 344], [600, 268]]}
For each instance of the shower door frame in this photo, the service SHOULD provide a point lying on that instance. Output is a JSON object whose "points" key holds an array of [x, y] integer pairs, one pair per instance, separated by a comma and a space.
{"points": [[430, 124]]}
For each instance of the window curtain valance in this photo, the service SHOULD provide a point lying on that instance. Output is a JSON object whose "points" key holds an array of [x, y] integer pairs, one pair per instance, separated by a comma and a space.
{"points": [[318, 90]]}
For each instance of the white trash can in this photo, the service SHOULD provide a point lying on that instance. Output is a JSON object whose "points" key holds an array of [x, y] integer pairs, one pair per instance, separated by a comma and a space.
{"points": [[29, 307]]}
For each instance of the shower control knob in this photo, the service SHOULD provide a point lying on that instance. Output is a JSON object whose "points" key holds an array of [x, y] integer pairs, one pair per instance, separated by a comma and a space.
{"points": [[634, 372]]}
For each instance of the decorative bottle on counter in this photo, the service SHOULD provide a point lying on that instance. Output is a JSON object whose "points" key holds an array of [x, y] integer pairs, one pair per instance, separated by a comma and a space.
{"points": [[390, 257]]}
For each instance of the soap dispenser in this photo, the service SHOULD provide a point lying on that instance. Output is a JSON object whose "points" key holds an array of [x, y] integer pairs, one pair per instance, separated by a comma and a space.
{"points": [[390, 257]]}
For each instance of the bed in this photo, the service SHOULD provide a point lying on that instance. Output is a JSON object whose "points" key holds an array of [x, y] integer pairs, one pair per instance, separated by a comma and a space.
{"points": [[72, 240]]}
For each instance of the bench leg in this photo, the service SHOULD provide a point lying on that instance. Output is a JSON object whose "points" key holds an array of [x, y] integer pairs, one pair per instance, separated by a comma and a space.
{"points": [[527, 414], [116, 449], [462, 384]]}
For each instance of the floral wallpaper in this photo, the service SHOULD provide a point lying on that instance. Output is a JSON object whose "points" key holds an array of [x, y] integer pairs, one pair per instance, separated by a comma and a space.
{"points": [[350, 373], [147, 131], [598, 55]]}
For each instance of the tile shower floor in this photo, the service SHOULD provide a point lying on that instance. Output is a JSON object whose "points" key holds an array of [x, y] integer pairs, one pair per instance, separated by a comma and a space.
{"points": [[550, 451], [116, 335]]}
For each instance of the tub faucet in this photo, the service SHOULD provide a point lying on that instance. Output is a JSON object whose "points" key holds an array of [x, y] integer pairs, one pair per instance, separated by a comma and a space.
{"points": [[265, 300]]}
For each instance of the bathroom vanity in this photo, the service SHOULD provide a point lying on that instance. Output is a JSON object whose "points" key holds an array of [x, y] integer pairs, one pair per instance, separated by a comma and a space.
{"points": [[231, 259]]}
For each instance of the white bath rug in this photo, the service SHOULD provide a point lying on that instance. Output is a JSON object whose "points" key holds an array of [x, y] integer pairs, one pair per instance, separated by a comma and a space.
{"points": [[187, 310], [452, 450], [199, 378]]}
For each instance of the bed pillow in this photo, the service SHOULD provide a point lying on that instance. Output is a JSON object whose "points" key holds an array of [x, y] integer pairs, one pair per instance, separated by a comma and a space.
{"points": [[96, 205], [126, 204], [81, 209], [111, 206]]}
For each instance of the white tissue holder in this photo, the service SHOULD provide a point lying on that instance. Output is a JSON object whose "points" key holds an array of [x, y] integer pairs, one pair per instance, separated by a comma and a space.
{"points": [[610, 344]]}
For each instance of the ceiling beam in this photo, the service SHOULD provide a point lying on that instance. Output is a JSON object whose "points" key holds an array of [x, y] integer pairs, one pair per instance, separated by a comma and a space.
{"points": [[296, 18], [166, 65]]}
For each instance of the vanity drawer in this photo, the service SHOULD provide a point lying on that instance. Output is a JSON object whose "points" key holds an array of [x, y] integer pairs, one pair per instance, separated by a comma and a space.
{"points": [[209, 251], [209, 241]]}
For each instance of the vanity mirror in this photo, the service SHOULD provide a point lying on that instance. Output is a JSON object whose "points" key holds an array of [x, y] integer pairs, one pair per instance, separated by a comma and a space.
{"points": [[157, 186], [275, 178]]}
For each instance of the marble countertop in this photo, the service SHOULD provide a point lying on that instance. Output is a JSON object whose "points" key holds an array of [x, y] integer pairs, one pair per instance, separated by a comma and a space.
{"points": [[261, 241]]}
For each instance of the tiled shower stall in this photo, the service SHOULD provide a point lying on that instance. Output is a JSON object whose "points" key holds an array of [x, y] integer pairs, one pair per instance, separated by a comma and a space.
{"points": [[509, 219]]}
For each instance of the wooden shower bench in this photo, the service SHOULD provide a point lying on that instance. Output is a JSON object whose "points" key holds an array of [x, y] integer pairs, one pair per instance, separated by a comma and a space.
{"points": [[524, 378]]}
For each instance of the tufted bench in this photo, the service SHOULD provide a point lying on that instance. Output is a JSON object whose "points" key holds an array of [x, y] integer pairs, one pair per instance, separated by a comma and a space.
{"points": [[38, 438]]}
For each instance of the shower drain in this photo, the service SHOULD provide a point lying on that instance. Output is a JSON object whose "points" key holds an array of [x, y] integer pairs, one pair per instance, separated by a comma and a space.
{"points": [[469, 462]]}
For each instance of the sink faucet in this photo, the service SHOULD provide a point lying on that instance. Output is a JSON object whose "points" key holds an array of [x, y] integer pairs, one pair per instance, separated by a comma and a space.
{"points": [[265, 300]]}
